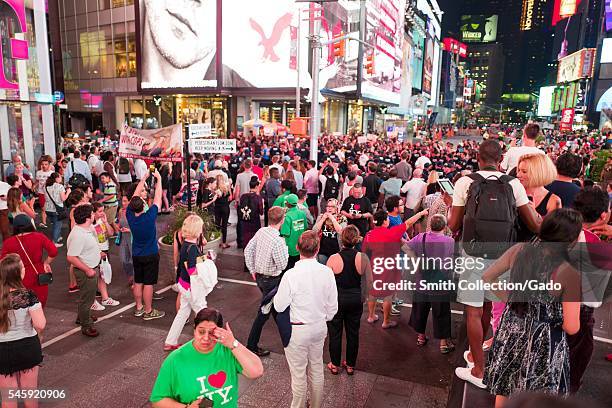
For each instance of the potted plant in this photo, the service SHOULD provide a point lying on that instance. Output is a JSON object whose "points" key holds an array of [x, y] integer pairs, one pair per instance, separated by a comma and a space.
{"points": [[212, 234]]}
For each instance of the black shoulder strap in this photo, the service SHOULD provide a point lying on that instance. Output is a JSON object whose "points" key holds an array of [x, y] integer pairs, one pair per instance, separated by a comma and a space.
{"points": [[476, 177], [424, 250], [506, 178], [72, 166]]}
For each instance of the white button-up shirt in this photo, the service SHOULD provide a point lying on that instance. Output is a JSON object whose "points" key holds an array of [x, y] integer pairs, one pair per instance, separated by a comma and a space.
{"points": [[310, 290]]}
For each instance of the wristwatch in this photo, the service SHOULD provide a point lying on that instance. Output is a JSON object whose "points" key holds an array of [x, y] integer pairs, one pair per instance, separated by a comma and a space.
{"points": [[235, 344]]}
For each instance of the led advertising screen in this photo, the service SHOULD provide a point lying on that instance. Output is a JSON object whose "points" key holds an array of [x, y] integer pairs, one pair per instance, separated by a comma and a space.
{"points": [[418, 38], [178, 44], [478, 28], [608, 15], [339, 74], [385, 32], [257, 44], [545, 100], [577, 65], [563, 9], [567, 35], [428, 65]]}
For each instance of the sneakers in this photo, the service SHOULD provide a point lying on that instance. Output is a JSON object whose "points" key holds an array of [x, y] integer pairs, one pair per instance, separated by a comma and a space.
{"points": [[98, 294], [41, 225], [373, 319], [154, 314], [157, 297], [110, 302], [97, 306], [139, 312], [470, 364], [58, 244], [465, 373], [395, 311], [73, 289]]}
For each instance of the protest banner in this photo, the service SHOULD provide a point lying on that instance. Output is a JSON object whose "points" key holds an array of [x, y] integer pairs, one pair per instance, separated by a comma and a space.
{"points": [[165, 144]]}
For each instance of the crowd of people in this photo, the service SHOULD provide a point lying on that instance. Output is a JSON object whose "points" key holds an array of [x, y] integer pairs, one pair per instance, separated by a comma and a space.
{"points": [[311, 232]]}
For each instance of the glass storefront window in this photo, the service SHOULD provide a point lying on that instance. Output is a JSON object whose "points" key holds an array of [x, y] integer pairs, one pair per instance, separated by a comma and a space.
{"points": [[277, 114], [16, 130], [355, 118], [264, 113], [38, 138], [211, 110]]}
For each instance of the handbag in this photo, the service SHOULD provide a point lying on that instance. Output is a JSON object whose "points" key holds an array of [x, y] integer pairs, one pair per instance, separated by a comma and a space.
{"points": [[43, 278], [59, 210]]}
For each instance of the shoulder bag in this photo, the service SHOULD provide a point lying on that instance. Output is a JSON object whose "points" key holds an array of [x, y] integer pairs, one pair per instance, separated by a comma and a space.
{"points": [[59, 210], [43, 278]]}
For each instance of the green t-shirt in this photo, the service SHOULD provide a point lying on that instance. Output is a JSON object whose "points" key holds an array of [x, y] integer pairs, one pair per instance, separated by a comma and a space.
{"points": [[280, 200], [294, 226], [187, 375]]}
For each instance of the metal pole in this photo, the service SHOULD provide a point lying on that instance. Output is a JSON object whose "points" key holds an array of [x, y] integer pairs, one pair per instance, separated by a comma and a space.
{"points": [[188, 167], [298, 93], [501, 110], [315, 123]]}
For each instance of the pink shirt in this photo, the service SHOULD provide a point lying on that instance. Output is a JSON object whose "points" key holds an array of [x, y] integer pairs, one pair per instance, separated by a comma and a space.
{"points": [[311, 181]]}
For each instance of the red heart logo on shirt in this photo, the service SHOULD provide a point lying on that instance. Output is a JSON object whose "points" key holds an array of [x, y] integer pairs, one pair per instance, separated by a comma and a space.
{"points": [[357, 207], [217, 380]]}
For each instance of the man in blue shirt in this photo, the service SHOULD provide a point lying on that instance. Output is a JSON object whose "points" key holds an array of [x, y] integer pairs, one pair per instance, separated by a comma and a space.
{"points": [[145, 253], [77, 166], [394, 205]]}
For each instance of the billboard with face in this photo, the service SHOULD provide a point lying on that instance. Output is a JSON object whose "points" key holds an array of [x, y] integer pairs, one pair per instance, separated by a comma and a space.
{"points": [[428, 64], [178, 43], [478, 28], [418, 37], [385, 32]]}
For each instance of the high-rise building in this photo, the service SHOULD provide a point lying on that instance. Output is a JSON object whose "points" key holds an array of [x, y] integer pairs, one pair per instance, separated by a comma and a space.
{"points": [[486, 65], [524, 29]]}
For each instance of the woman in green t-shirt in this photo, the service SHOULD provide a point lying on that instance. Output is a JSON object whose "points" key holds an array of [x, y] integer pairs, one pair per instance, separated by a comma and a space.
{"points": [[205, 368]]}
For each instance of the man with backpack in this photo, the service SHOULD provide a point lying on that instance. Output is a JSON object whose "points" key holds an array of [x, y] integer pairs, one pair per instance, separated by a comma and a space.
{"points": [[330, 184], [485, 205], [77, 172]]}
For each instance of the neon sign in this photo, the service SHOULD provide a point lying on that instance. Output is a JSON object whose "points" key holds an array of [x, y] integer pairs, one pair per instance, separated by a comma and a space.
{"points": [[527, 15], [19, 48]]}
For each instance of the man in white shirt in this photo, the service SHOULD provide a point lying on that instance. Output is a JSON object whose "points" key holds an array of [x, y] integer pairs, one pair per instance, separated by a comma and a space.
{"points": [[218, 170], [477, 306], [276, 163], [309, 289], [415, 190], [530, 134], [422, 161], [4, 221]]}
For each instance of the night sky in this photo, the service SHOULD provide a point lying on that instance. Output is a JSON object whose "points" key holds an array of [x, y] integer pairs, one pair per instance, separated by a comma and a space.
{"points": [[450, 19]]}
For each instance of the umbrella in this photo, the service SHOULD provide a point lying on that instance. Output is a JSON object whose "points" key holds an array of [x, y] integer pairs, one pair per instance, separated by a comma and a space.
{"points": [[255, 123]]}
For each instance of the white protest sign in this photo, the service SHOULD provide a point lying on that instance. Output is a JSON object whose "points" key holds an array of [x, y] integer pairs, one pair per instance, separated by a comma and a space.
{"points": [[197, 130], [212, 146]]}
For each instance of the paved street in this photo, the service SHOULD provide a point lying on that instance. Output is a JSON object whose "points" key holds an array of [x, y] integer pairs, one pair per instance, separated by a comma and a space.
{"points": [[119, 367]]}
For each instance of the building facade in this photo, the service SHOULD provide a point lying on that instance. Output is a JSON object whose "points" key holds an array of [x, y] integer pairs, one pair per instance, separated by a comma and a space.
{"points": [[26, 94]]}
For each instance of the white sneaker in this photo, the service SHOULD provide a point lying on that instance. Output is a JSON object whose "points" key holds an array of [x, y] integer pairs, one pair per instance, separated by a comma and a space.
{"points": [[110, 302], [465, 373], [97, 306], [58, 244], [470, 364]]}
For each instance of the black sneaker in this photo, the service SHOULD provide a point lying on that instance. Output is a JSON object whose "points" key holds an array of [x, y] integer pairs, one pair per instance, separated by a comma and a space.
{"points": [[93, 319], [98, 294], [259, 352]]}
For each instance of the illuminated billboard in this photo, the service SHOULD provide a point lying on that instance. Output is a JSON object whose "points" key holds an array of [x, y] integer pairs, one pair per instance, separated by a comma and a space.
{"points": [[455, 47], [178, 44], [257, 44], [608, 15], [385, 32], [545, 100], [428, 65], [606, 51], [418, 38], [526, 22], [478, 28], [563, 9], [577, 65]]}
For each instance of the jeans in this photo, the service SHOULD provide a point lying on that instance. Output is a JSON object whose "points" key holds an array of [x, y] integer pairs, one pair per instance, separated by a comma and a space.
{"points": [[265, 285], [56, 226]]}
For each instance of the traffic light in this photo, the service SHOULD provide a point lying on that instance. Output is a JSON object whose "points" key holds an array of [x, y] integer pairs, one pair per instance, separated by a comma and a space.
{"points": [[369, 65], [339, 45]]}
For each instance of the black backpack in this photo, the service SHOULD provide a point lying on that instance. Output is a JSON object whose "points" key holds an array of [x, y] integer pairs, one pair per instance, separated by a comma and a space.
{"points": [[331, 188], [489, 225], [124, 166], [77, 180]]}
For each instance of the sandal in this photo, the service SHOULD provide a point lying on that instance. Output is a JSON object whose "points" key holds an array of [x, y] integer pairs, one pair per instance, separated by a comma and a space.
{"points": [[349, 370], [447, 348], [422, 340], [332, 368]]}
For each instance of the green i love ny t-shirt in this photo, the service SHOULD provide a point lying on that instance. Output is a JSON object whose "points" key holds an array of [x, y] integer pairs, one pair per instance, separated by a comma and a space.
{"points": [[187, 375]]}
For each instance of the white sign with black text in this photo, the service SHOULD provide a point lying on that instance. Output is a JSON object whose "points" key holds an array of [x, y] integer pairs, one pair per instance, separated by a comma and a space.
{"points": [[212, 146], [197, 130]]}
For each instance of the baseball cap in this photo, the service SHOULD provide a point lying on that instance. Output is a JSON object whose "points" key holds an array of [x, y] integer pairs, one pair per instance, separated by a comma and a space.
{"points": [[22, 220], [292, 199]]}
